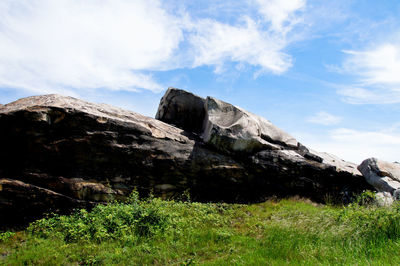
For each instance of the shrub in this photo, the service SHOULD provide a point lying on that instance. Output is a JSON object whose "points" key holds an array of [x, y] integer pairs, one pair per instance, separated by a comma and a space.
{"points": [[123, 221]]}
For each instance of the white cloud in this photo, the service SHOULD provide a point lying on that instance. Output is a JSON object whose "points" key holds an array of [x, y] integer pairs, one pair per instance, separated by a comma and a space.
{"points": [[281, 14], [377, 71], [71, 45], [355, 95], [215, 43], [324, 118], [376, 66], [47, 44], [355, 145], [260, 43]]}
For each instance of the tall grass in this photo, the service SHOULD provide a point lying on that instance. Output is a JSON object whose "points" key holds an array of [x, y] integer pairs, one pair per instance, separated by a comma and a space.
{"points": [[160, 232]]}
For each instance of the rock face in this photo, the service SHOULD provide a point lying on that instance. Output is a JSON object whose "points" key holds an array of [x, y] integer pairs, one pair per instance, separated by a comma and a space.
{"points": [[233, 130], [383, 176], [84, 153], [278, 162], [59, 153]]}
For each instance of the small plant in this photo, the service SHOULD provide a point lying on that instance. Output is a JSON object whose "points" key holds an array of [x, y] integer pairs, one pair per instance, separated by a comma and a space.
{"points": [[366, 198], [6, 236]]}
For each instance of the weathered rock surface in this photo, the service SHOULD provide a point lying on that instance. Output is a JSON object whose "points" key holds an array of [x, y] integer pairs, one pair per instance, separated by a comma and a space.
{"points": [[59, 153], [383, 176], [233, 129], [339, 164], [95, 152], [289, 173]]}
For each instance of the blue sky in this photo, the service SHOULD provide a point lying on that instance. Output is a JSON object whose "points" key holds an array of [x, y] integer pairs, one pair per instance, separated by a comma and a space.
{"points": [[327, 72]]}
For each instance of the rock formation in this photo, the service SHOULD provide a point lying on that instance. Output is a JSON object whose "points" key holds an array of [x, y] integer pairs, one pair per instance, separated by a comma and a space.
{"points": [[383, 176], [59, 153]]}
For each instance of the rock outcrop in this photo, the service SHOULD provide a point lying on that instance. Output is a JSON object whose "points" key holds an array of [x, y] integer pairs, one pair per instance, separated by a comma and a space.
{"points": [[280, 164], [59, 153], [383, 176], [233, 130]]}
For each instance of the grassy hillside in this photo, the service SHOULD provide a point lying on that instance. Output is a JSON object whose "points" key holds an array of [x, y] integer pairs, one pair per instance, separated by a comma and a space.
{"points": [[183, 233]]}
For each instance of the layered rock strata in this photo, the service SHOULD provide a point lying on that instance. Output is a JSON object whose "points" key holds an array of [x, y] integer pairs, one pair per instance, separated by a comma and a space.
{"points": [[59, 153]]}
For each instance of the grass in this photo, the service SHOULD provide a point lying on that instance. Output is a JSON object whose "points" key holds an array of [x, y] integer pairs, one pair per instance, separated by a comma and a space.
{"points": [[158, 232]]}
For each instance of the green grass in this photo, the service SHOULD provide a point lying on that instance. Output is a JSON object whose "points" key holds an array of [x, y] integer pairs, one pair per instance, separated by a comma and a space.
{"points": [[154, 231]]}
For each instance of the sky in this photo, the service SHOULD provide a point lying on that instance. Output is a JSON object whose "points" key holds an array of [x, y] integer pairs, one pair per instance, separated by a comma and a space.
{"points": [[326, 72]]}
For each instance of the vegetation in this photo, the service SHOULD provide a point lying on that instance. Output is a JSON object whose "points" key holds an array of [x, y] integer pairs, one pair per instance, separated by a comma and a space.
{"points": [[155, 231]]}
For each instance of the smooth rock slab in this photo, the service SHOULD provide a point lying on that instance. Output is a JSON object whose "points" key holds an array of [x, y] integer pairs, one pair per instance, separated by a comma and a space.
{"points": [[340, 164], [233, 129]]}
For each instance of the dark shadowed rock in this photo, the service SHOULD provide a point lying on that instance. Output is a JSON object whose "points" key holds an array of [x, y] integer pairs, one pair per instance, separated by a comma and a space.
{"points": [[383, 176], [21, 202], [59, 153], [289, 173], [182, 109]]}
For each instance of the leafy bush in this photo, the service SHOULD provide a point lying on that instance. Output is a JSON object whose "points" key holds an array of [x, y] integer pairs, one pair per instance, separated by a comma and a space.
{"points": [[366, 198], [122, 221]]}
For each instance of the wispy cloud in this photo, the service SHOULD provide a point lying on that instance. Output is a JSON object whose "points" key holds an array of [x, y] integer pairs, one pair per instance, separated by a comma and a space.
{"points": [[324, 118], [281, 14], [71, 45], [217, 43], [377, 72]]}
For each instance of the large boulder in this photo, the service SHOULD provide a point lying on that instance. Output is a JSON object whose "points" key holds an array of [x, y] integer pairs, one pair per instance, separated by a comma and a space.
{"points": [[383, 176], [235, 131], [182, 109], [282, 164]]}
